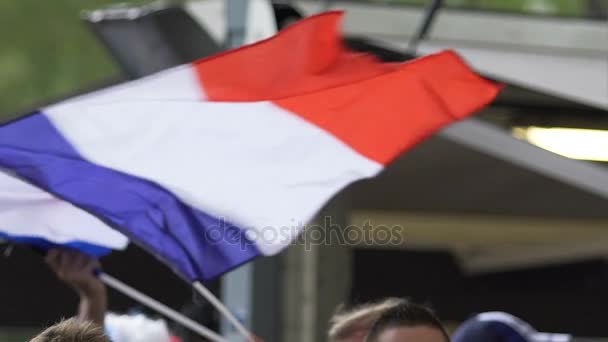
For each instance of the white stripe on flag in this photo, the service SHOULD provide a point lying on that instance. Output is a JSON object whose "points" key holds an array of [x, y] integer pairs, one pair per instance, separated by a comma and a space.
{"points": [[252, 163], [26, 211]]}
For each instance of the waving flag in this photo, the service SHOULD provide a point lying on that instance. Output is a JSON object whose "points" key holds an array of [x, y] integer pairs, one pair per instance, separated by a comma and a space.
{"points": [[211, 164], [35, 217]]}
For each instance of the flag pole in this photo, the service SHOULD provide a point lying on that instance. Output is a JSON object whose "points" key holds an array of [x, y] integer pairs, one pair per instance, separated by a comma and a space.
{"points": [[159, 307], [203, 291]]}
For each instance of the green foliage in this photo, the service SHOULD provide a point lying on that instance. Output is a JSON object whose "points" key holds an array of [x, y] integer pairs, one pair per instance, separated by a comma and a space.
{"points": [[46, 51], [552, 7]]}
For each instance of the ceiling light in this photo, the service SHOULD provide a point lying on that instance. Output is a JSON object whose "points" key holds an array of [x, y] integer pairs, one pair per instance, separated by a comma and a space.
{"points": [[575, 143]]}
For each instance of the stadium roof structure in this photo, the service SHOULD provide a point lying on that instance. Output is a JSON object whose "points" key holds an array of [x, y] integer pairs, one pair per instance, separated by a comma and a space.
{"points": [[498, 202]]}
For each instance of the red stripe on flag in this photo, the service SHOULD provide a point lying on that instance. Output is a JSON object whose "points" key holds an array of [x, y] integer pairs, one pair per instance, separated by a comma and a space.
{"points": [[384, 116], [379, 109], [306, 57]]}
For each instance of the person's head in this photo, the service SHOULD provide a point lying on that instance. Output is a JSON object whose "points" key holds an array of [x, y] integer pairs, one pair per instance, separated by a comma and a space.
{"points": [[496, 326], [353, 325], [408, 322], [72, 330]]}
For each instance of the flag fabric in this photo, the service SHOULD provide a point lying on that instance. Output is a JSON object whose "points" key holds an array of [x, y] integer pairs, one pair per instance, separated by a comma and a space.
{"points": [[211, 164], [502, 327], [31, 216]]}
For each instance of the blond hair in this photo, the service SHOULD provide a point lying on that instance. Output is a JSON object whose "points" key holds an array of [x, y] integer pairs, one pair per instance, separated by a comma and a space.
{"points": [[72, 330], [345, 323]]}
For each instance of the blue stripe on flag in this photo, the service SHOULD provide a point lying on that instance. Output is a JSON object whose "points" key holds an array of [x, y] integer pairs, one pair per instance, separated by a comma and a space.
{"points": [[194, 244], [44, 244]]}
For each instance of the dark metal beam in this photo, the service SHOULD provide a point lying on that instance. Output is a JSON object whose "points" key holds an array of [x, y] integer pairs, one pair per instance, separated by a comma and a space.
{"points": [[425, 25]]}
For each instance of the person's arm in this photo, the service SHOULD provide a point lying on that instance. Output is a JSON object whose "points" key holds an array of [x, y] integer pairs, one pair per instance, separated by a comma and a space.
{"points": [[77, 270]]}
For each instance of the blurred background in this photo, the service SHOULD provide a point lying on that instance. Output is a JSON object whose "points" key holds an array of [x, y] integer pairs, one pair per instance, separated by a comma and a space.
{"points": [[506, 212], [47, 52]]}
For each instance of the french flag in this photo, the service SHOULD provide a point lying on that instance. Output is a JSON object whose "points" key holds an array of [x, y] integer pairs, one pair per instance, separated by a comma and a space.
{"points": [[211, 164], [31, 216]]}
